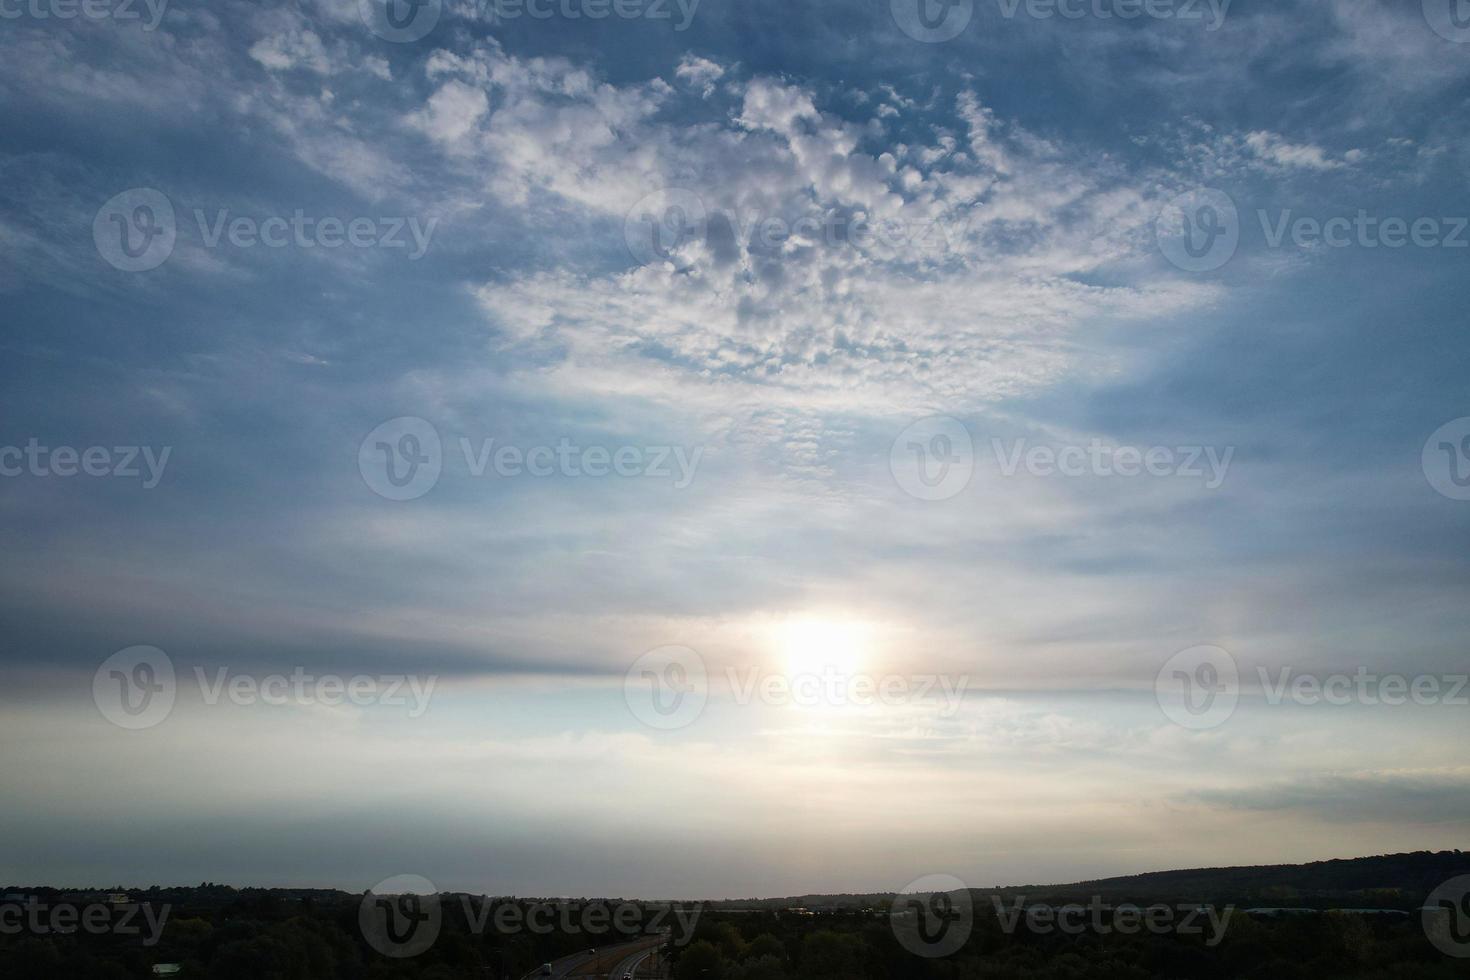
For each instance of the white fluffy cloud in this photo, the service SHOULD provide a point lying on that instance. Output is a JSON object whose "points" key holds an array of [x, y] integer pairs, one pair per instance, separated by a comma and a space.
{"points": [[826, 265]]}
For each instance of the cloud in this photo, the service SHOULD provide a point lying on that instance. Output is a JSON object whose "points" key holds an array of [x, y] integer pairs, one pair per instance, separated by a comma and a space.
{"points": [[700, 73], [451, 112], [1275, 149], [1416, 795], [294, 49]]}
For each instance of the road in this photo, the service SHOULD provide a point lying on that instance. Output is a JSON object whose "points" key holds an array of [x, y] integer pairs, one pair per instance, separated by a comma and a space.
{"points": [[639, 950], [630, 965]]}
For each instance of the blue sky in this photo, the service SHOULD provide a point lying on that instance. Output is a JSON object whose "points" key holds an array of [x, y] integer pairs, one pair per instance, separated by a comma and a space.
{"points": [[1019, 181]]}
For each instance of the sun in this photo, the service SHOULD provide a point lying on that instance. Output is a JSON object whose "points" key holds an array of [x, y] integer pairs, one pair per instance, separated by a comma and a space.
{"points": [[812, 645]]}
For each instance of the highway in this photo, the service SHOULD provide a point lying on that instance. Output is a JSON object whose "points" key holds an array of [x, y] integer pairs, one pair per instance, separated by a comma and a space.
{"points": [[630, 965], [638, 951]]}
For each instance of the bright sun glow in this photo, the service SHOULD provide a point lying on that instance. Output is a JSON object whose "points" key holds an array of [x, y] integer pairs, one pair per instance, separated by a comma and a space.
{"points": [[811, 646]]}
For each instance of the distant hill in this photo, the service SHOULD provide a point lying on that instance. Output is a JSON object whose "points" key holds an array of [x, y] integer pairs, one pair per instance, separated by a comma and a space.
{"points": [[1386, 881], [1414, 875]]}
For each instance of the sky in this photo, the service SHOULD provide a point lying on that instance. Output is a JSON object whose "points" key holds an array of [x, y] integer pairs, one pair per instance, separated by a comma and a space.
{"points": [[584, 380]]}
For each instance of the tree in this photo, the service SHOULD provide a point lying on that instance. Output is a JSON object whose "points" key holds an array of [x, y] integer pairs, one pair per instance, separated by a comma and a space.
{"points": [[766, 945], [701, 961]]}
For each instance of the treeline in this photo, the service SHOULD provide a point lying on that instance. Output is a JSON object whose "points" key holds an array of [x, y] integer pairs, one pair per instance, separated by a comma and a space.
{"points": [[857, 947], [279, 934]]}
